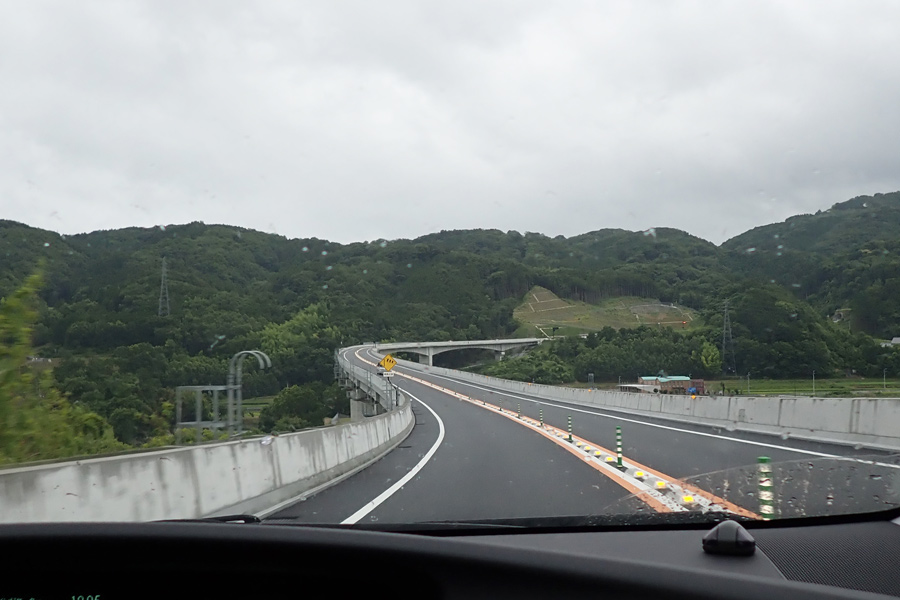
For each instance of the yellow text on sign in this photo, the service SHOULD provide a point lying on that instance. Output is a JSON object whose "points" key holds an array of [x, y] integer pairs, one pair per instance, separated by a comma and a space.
{"points": [[387, 362]]}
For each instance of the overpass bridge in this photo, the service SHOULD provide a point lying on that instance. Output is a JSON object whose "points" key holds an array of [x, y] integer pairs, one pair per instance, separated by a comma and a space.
{"points": [[427, 350]]}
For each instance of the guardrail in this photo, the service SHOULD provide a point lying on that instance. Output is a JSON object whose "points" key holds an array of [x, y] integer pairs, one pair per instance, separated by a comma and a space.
{"points": [[864, 422], [248, 476]]}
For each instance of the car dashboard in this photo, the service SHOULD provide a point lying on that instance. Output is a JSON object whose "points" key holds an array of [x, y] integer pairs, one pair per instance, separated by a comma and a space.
{"points": [[107, 561]]}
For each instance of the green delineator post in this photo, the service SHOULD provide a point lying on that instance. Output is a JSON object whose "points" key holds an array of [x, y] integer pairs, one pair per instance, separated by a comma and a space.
{"points": [[570, 428], [619, 446], [542, 418], [519, 411], [766, 497]]}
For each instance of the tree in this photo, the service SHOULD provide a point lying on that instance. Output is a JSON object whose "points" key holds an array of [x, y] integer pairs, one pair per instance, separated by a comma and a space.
{"points": [[36, 422], [711, 358]]}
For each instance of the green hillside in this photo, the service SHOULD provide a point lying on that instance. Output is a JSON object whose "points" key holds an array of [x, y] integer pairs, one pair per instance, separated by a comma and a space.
{"points": [[95, 310], [845, 257], [541, 311]]}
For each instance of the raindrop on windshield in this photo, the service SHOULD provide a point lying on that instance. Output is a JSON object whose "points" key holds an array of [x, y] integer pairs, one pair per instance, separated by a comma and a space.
{"points": [[750, 250], [162, 227], [383, 244], [651, 231], [829, 499], [796, 285], [785, 435], [305, 249], [324, 252], [325, 287], [365, 271], [409, 265], [730, 427], [328, 268], [875, 476], [46, 244], [857, 446]]}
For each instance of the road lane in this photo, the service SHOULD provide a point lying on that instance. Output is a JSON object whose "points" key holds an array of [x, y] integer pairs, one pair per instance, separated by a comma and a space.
{"points": [[486, 467], [717, 460], [489, 466]]}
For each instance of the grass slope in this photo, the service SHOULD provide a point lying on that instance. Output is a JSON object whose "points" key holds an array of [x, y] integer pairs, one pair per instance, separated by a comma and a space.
{"points": [[541, 310]]}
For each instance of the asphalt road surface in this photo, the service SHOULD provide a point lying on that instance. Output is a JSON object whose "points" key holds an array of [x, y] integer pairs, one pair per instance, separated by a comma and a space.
{"points": [[465, 462]]}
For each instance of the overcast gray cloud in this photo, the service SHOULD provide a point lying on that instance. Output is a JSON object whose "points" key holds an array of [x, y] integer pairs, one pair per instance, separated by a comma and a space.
{"points": [[361, 120]]}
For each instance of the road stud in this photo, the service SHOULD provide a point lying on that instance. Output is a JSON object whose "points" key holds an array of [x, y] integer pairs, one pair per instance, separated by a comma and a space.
{"points": [[689, 501]]}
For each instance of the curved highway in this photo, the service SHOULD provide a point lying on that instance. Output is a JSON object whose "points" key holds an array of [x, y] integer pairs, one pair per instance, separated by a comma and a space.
{"points": [[466, 460]]}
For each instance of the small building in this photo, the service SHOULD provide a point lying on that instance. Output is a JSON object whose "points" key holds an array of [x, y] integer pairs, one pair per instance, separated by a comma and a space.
{"points": [[894, 342], [674, 384]]}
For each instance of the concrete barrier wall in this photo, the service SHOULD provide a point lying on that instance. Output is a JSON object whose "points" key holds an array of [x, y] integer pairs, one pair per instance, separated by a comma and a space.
{"points": [[870, 422], [245, 476]]}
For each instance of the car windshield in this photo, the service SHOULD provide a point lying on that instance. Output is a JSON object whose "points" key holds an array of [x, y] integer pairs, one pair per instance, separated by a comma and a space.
{"points": [[383, 263]]}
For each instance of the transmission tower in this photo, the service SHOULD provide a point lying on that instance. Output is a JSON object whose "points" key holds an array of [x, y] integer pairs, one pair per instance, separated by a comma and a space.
{"points": [[164, 292], [727, 344]]}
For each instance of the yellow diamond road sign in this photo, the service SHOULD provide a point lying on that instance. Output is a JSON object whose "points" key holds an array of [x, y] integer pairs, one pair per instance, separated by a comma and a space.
{"points": [[387, 362]]}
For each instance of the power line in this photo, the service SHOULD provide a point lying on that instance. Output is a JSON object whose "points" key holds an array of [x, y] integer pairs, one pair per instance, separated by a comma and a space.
{"points": [[163, 292]]}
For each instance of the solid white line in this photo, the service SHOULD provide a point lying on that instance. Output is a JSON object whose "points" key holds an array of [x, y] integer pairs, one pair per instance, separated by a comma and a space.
{"points": [[627, 420], [658, 426], [362, 512]]}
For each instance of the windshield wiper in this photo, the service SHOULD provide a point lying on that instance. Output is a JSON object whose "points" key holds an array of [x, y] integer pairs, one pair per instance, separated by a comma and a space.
{"points": [[616, 522], [243, 519]]}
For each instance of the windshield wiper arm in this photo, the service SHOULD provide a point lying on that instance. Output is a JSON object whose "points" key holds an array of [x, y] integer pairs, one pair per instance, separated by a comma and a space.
{"points": [[244, 519]]}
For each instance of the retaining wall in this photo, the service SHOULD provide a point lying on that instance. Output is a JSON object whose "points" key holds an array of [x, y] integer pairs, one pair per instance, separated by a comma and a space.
{"points": [[246, 476], [869, 422]]}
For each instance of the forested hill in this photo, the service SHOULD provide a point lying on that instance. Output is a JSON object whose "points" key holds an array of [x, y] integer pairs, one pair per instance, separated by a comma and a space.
{"points": [[102, 288], [845, 257], [233, 289]]}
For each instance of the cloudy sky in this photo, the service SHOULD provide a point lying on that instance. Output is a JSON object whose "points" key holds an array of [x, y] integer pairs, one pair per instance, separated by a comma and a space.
{"points": [[359, 120]]}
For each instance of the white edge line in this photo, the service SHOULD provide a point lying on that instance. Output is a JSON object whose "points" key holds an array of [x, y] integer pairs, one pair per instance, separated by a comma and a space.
{"points": [[372, 505], [627, 420]]}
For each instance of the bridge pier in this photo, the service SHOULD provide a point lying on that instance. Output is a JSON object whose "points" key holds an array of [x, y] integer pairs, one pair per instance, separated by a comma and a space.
{"points": [[427, 358]]}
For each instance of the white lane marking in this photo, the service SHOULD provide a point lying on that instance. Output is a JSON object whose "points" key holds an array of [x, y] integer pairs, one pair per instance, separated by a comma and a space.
{"points": [[362, 512], [668, 427], [627, 420]]}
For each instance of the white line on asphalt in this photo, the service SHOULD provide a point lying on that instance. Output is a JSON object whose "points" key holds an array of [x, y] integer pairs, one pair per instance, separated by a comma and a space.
{"points": [[362, 512], [667, 427]]}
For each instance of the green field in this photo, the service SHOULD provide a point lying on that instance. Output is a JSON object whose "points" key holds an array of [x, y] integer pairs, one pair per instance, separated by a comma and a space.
{"points": [[843, 388], [541, 310], [252, 407]]}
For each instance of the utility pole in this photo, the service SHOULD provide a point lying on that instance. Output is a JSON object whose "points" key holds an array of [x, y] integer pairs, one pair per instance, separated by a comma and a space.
{"points": [[163, 292], [814, 383], [727, 343]]}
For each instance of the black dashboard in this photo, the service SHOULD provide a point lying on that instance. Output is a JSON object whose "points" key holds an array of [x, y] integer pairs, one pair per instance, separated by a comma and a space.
{"points": [[107, 561]]}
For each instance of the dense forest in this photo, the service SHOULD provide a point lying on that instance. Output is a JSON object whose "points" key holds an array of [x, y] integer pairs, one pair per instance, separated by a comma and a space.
{"points": [[815, 292]]}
